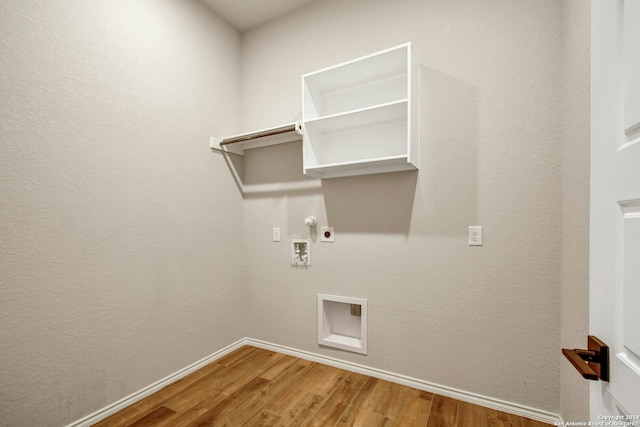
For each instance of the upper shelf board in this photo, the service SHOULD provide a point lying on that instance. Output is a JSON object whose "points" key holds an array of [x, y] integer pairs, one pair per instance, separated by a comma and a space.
{"points": [[237, 144]]}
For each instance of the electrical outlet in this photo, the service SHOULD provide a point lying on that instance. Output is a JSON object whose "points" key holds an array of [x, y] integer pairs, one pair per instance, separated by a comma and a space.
{"points": [[475, 235], [327, 235]]}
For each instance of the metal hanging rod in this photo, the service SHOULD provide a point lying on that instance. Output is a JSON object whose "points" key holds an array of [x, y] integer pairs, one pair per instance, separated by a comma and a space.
{"points": [[237, 144], [293, 127]]}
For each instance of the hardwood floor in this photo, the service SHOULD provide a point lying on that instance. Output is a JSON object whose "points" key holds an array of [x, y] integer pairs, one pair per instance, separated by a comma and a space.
{"points": [[256, 387]]}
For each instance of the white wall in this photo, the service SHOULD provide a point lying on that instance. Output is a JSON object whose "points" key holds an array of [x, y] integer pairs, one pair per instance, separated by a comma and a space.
{"points": [[574, 321], [120, 255], [485, 320]]}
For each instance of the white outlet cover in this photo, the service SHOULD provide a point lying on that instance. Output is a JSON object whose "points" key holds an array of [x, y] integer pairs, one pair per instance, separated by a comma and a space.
{"points": [[475, 235]]}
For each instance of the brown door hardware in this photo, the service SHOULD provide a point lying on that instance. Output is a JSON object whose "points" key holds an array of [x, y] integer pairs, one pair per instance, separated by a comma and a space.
{"points": [[593, 364]]}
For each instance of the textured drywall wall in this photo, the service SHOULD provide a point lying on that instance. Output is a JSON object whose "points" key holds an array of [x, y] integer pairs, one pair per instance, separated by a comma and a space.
{"points": [[481, 319], [574, 390], [120, 255]]}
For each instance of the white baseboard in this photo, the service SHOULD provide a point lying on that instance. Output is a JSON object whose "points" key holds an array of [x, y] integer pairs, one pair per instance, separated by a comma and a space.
{"points": [[488, 402], [106, 412]]}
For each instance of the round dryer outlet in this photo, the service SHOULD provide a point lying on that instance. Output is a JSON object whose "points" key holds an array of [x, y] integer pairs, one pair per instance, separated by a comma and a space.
{"points": [[327, 234]]}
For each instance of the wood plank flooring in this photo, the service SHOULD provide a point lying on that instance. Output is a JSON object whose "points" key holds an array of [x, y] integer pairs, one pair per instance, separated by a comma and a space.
{"points": [[253, 387]]}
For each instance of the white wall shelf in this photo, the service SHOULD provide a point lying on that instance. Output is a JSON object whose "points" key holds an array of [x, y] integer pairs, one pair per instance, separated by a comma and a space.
{"points": [[361, 117]]}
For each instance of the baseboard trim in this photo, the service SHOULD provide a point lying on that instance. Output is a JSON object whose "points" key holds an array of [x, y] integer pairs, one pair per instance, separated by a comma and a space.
{"points": [[488, 402], [107, 411]]}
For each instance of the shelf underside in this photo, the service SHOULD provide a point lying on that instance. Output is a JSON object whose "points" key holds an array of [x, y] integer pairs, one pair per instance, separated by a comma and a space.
{"points": [[361, 167]]}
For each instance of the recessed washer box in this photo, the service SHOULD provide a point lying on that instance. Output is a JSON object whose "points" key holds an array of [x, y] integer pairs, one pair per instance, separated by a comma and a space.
{"points": [[342, 322]]}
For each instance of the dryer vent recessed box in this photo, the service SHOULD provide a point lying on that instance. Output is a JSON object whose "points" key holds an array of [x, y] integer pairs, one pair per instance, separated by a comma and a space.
{"points": [[342, 322]]}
